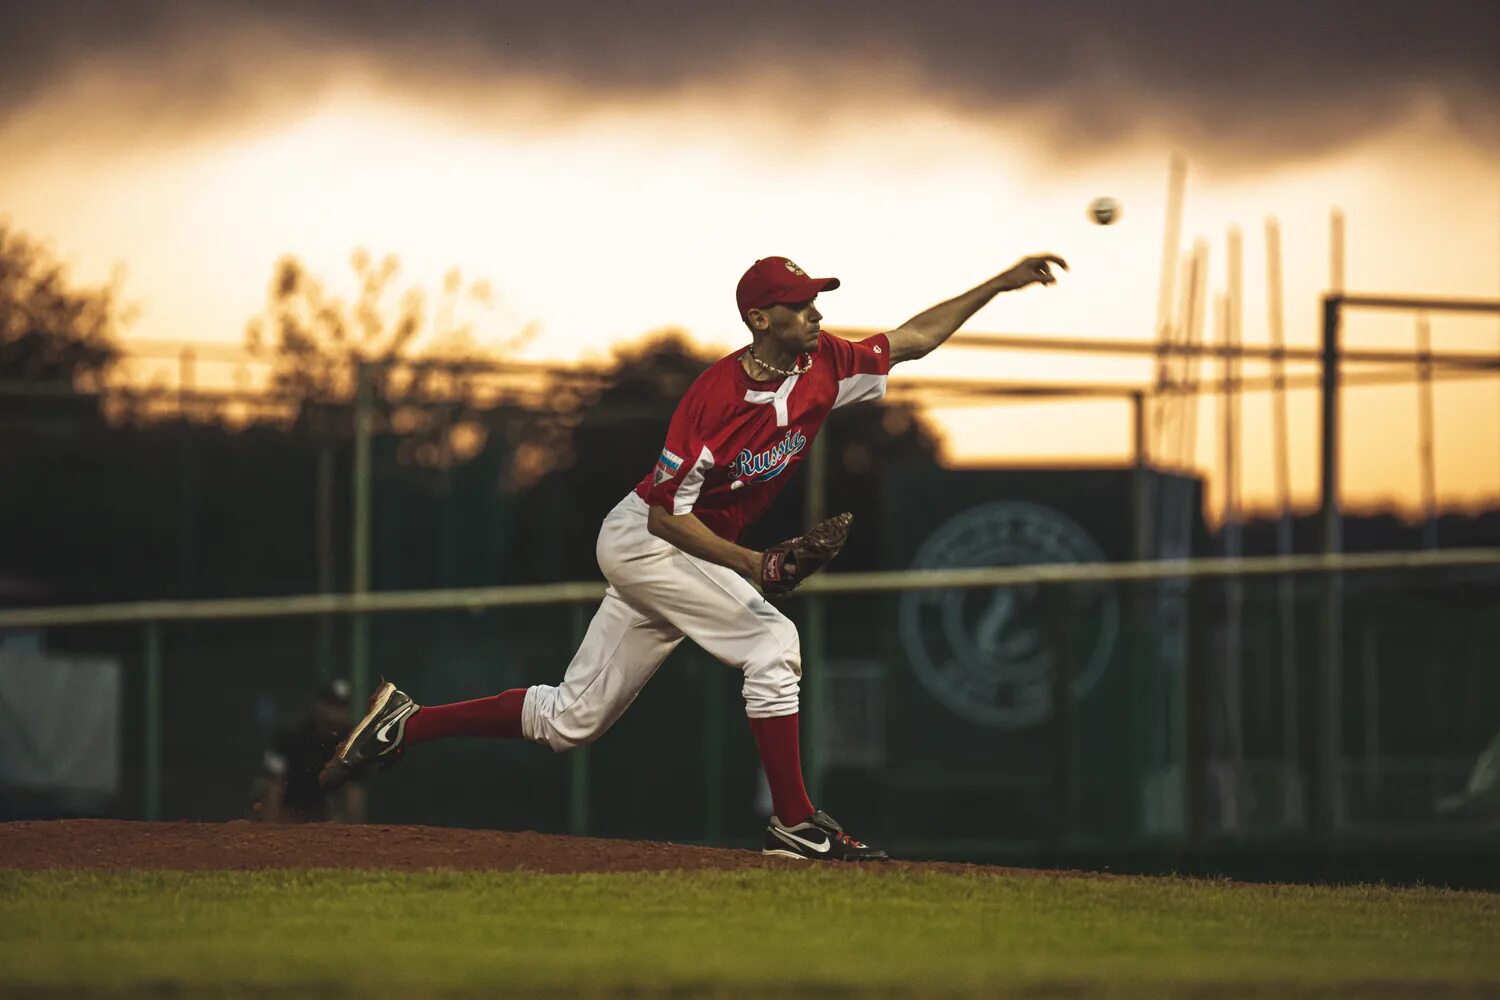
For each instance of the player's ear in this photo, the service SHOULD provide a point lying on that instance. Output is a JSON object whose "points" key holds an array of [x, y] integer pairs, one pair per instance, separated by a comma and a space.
{"points": [[757, 320]]}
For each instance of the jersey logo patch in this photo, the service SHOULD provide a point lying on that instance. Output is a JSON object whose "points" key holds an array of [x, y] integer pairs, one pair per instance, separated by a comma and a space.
{"points": [[770, 463], [666, 467]]}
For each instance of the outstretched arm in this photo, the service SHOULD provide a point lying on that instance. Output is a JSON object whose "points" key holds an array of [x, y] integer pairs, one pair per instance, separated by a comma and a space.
{"points": [[926, 330], [692, 536]]}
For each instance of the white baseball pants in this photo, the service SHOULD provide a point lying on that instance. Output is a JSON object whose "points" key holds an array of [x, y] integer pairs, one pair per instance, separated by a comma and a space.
{"points": [[657, 595]]}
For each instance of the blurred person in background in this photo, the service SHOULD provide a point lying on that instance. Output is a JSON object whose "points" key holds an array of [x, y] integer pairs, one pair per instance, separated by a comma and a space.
{"points": [[288, 790], [1479, 802]]}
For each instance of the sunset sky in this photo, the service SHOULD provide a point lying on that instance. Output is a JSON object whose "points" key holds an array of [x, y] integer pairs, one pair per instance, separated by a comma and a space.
{"points": [[612, 170]]}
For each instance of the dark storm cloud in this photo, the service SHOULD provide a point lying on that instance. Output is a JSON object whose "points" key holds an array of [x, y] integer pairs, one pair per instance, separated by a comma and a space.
{"points": [[1289, 76]]}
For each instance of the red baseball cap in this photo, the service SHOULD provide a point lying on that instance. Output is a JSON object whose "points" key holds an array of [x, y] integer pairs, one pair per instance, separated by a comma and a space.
{"points": [[775, 279]]}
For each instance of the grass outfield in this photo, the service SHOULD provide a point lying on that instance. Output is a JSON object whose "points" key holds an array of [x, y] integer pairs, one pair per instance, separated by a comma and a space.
{"points": [[414, 934]]}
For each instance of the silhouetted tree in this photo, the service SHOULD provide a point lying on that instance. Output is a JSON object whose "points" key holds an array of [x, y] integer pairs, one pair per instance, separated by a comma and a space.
{"points": [[52, 332], [419, 361]]}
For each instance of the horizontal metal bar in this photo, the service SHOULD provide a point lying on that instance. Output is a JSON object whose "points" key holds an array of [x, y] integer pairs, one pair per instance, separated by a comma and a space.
{"points": [[1161, 569], [221, 353], [1244, 351], [480, 598], [466, 599], [1419, 303], [960, 391]]}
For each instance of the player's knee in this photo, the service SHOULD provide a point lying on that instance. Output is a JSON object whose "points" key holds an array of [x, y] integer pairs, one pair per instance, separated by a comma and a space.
{"points": [[547, 721], [773, 674]]}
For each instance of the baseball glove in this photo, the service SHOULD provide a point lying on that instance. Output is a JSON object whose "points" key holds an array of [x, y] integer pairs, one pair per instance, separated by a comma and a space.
{"points": [[785, 565]]}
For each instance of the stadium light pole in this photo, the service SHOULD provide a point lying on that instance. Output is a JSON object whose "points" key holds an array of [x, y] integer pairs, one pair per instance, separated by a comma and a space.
{"points": [[1328, 790], [152, 807], [579, 794], [815, 508], [359, 636]]}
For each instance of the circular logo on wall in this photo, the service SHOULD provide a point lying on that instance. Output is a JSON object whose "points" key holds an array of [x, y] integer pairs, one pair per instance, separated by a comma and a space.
{"points": [[988, 655]]}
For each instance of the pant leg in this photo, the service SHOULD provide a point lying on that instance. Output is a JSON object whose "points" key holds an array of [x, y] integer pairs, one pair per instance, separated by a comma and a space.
{"points": [[618, 655], [712, 605]]}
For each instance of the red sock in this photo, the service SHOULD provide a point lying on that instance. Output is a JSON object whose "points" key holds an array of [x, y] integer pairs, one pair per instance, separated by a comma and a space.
{"points": [[781, 756], [498, 717]]}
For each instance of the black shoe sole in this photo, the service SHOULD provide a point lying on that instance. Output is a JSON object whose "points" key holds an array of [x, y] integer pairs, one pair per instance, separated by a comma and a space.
{"points": [[338, 772], [857, 860]]}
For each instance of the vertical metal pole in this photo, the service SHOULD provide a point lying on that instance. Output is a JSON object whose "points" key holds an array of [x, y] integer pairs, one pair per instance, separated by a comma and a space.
{"points": [[1371, 684], [1170, 399], [1171, 238], [1328, 812], [1140, 643], [152, 808], [186, 379], [1194, 731], [578, 758], [1276, 318], [323, 545], [1286, 597], [1425, 452], [714, 749], [1063, 751], [1195, 336], [1234, 586], [1171, 241], [187, 527], [1233, 340], [1140, 481], [1336, 252], [813, 654], [359, 638]]}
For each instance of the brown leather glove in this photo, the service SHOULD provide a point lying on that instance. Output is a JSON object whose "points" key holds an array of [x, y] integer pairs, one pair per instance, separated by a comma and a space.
{"points": [[785, 565]]}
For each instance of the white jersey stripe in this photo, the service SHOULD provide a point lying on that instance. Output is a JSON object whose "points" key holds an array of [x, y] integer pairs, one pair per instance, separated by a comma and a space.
{"points": [[858, 388], [777, 399], [692, 483]]}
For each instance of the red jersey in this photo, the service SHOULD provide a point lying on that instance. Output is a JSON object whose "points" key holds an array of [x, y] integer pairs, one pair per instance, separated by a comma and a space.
{"points": [[733, 441]]}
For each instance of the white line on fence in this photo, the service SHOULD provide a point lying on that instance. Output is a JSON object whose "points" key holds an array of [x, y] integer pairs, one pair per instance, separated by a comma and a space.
{"points": [[477, 599]]}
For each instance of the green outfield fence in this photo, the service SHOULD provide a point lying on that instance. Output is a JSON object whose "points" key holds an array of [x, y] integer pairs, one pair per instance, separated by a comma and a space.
{"points": [[571, 603]]}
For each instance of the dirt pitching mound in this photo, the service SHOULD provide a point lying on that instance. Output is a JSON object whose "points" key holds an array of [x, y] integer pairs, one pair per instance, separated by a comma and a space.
{"points": [[242, 845]]}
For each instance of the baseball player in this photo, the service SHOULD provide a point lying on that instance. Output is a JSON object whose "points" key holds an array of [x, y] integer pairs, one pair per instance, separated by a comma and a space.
{"points": [[670, 554]]}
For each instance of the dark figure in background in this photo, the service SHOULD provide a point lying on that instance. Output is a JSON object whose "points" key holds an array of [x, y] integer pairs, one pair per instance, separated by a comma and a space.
{"points": [[288, 789], [1479, 801]]}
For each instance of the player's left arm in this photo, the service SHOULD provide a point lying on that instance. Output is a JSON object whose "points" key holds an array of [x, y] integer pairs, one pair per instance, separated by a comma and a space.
{"points": [[926, 330]]}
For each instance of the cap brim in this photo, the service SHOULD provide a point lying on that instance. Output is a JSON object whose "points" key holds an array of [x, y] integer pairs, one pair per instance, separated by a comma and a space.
{"points": [[804, 290]]}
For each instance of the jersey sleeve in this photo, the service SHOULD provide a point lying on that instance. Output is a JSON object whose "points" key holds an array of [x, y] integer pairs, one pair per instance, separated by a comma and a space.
{"points": [[685, 459], [862, 367]]}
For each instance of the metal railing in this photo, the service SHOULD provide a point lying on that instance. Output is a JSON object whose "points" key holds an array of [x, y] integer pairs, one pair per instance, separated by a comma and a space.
{"points": [[151, 615]]}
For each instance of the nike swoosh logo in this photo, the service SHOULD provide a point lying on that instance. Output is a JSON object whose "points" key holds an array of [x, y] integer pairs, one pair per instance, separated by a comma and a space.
{"points": [[792, 838], [380, 734]]}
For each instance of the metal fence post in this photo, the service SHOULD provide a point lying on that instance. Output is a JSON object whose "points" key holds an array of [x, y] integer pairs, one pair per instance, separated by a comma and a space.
{"points": [[323, 535], [1328, 787], [578, 758], [152, 805], [814, 662], [1194, 725], [359, 624], [1063, 751], [713, 749]]}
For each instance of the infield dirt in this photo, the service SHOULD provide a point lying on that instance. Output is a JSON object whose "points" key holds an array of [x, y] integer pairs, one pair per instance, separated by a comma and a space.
{"points": [[245, 846]]}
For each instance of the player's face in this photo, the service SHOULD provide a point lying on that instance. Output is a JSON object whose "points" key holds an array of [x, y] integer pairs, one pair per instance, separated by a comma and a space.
{"points": [[795, 325]]}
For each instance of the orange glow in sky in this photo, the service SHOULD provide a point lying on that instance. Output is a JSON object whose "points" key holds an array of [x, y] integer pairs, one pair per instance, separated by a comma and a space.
{"points": [[603, 227]]}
